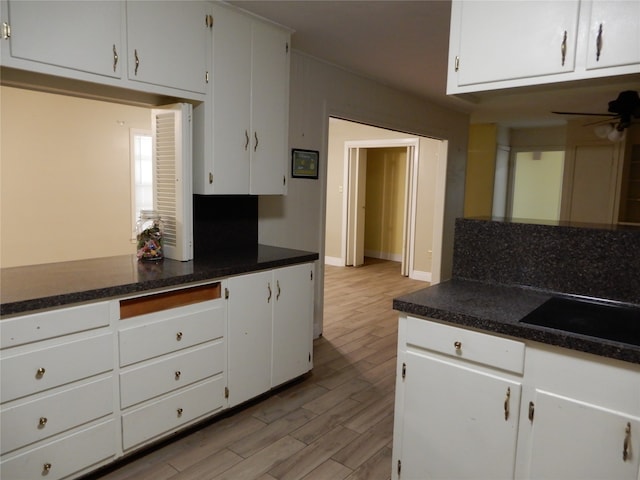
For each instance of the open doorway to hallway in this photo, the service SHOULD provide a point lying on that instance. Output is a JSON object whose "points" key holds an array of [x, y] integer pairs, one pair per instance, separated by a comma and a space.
{"points": [[385, 198]]}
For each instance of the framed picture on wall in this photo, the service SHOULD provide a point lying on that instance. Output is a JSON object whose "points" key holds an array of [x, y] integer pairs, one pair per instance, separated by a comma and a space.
{"points": [[304, 163]]}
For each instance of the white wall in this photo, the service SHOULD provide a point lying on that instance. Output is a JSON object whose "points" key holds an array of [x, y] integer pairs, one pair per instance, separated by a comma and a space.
{"points": [[320, 90]]}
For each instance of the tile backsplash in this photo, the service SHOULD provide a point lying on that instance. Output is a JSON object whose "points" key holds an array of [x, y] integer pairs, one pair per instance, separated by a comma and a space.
{"points": [[224, 222], [594, 260]]}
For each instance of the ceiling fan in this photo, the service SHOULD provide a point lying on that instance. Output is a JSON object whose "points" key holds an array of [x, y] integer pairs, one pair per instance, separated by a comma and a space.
{"points": [[623, 110]]}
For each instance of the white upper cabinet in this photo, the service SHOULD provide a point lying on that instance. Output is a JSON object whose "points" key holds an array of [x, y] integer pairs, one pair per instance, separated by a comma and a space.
{"points": [[508, 40], [250, 107], [168, 43], [80, 36], [505, 44], [161, 47], [614, 34]]}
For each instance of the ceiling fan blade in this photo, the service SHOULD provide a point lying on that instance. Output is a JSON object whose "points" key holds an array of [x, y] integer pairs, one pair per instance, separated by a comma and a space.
{"points": [[588, 114]]}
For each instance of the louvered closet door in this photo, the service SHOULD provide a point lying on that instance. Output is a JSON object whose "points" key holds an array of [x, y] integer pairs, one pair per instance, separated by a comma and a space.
{"points": [[171, 126]]}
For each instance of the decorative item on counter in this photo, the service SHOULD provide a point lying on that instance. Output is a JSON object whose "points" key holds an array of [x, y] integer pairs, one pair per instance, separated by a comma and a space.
{"points": [[149, 236]]}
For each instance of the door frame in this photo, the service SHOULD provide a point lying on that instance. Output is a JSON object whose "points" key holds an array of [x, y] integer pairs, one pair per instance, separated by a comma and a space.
{"points": [[410, 189]]}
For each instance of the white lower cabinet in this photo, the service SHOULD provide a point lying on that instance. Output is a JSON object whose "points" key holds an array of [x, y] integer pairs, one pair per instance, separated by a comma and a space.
{"points": [[575, 440], [57, 413], [65, 456], [270, 329], [85, 385], [169, 414], [173, 358], [471, 405]]}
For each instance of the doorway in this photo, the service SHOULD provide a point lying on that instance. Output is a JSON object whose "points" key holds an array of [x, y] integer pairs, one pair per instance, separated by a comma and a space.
{"points": [[379, 212], [421, 214]]}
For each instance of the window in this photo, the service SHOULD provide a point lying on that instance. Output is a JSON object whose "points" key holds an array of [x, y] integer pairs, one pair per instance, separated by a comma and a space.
{"points": [[141, 173]]}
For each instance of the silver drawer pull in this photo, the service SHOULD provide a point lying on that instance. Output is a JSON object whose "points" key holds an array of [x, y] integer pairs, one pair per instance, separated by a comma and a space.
{"points": [[179, 336], [43, 421], [178, 373], [179, 412], [40, 372], [457, 346], [46, 468]]}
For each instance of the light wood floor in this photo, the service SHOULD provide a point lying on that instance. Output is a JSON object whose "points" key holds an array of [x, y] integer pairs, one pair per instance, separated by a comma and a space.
{"points": [[337, 423]]}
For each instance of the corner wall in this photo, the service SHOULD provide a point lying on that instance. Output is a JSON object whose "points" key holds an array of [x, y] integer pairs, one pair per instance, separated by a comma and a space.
{"points": [[319, 90]]}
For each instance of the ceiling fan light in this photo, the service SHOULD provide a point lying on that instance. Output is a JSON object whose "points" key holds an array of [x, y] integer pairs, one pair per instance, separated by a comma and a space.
{"points": [[615, 135], [603, 131]]}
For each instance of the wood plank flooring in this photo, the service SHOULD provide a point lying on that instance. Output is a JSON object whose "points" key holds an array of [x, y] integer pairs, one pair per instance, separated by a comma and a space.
{"points": [[336, 423]]}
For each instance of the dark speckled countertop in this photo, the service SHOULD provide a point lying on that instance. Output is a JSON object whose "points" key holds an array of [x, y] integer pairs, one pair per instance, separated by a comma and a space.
{"points": [[503, 270], [32, 288], [498, 309]]}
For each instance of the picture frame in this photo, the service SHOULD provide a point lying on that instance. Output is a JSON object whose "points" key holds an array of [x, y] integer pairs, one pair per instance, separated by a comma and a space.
{"points": [[304, 163]]}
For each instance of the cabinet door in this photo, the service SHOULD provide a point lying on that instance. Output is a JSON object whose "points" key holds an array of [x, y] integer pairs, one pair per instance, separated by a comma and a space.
{"points": [[270, 109], [576, 440], [614, 34], [505, 40], [454, 423], [84, 36], [232, 101], [292, 323], [168, 43], [249, 316]]}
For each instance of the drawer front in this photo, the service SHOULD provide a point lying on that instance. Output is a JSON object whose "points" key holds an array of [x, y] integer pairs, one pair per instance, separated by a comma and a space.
{"points": [[173, 330], [40, 326], [177, 371], [64, 456], [39, 370], [171, 413], [36, 420], [467, 345]]}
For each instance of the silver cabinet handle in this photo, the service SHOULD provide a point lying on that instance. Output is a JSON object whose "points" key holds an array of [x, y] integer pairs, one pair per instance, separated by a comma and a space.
{"points": [[135, 54], [278, 287], [627, 441], [255, 134], [563, 47], [506, 404], [115, 57], [269, 288], [599, 44], [246, 143]]}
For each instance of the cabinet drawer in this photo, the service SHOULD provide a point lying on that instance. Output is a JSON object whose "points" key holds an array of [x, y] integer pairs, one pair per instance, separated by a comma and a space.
{"points": [[43, 325], [172, 330], [39, 419], [171, 413], [65, 456], [177, 371], [39, 370], [467, 345]]}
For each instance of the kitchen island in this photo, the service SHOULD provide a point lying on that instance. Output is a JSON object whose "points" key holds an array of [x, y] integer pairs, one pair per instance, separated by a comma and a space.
{"points": [[101, 358], [519, 400]]}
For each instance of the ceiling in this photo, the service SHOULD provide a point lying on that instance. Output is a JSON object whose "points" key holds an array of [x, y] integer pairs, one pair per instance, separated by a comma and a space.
{"points": [[405, 44]]}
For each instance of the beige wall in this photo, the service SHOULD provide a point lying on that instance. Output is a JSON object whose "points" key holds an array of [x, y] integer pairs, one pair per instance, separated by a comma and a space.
{"points": [[341, 131], [65, 177]]}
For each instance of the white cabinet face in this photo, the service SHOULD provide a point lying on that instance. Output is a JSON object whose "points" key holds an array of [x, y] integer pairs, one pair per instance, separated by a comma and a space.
{"points": [[614, 34], [84, 36], [456, 422], [168, 43], [249, 314], [502, 40], [292, 323], [574, 440]]}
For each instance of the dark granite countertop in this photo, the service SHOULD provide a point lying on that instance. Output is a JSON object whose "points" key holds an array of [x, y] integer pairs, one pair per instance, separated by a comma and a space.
{"points": [[498, 309], [31, 288]]}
